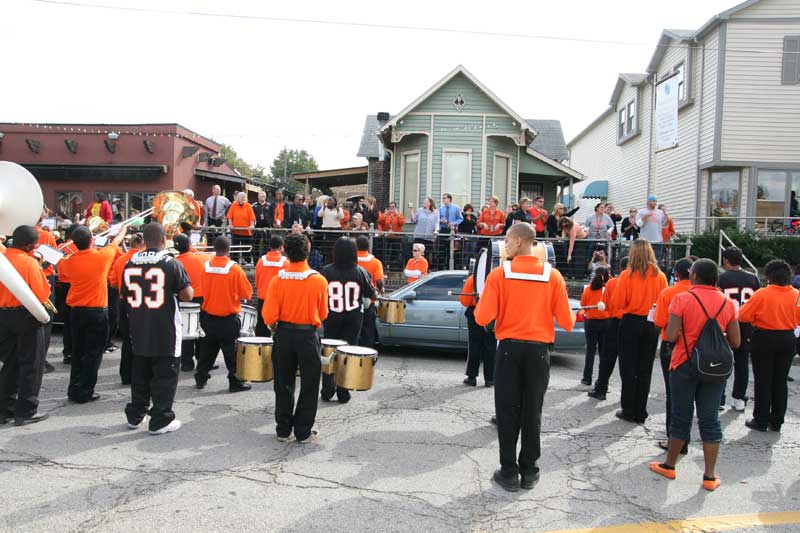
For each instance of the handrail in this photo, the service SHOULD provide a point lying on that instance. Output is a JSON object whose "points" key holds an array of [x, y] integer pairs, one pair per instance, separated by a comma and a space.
{"points": [[723, 235]]}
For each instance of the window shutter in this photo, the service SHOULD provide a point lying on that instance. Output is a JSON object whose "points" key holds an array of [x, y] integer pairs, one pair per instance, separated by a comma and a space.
{"points": [[790, 72]]}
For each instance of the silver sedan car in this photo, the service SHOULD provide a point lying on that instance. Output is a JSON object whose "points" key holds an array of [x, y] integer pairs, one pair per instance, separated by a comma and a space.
{"points": [[435, 318]]}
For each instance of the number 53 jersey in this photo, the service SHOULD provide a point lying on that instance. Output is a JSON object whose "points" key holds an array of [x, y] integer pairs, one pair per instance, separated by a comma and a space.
{"points": [[150, 282], [347, 288]]}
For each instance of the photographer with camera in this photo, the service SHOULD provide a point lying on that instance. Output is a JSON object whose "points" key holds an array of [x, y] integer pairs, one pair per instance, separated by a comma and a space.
{"points": [[598, 260]]}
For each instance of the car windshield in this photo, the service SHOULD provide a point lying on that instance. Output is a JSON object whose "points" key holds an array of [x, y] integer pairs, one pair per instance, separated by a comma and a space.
{"points": [[437, 288]]}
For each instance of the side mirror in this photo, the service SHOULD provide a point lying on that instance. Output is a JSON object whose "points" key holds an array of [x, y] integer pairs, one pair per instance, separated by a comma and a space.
{"points": [[409, 296]]}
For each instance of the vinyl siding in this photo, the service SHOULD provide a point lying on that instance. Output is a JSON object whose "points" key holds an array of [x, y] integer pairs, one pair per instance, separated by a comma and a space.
{"points": [[411, 144], [706, 92], [761, 117], [770, 9], [506, 146], [459, 133], [675, 170], [414, 123], [506, 125], [475, 101]]}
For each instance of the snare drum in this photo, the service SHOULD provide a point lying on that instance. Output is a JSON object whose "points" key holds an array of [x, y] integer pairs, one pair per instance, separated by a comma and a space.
{"points": [[355, 367], [329, 354], [392, 311], [248, 318], [254, 359], [190, 320]]}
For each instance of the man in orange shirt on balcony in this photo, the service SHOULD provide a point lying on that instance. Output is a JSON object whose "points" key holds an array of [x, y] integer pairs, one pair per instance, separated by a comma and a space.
{"points": [[242, 216]]}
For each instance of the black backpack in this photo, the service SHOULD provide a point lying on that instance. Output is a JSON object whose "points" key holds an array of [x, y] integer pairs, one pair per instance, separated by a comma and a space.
{"points": [[711, 359]]}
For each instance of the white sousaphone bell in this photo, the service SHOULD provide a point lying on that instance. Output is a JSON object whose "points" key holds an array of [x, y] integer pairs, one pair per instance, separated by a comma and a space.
{"points": [[21, 203]]}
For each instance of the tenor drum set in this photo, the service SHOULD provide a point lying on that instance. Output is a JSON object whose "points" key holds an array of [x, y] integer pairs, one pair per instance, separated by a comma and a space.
{"points": [[493, 255], [190, 320], [248, 318], [392, 311]]}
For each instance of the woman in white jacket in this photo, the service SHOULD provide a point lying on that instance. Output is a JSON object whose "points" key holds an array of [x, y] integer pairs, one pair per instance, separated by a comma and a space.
{"points": [[331, 215]]}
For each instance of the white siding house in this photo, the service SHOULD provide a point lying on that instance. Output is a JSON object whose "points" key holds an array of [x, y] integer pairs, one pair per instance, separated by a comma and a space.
{"points": [[738, 151]]}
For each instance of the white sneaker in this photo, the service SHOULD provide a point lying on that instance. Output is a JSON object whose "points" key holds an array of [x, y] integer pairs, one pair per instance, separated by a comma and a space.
{"points": [[175, 425], [290, 438], [738, 405], [137, 426], [311, 438]]}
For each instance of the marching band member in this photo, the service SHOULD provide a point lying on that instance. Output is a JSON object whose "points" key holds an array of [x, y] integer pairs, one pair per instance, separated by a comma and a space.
{"points": [[267, 267], [193, 264], [296, 305], [610, 350], [417, 266], [152, 280], [22, 349], [635, 295], [88, 272], [62, 289], [115, 278], [348, 285], [661, 319], [481, 343], [522, 368], [374, 266], [596, 321], [225, 285], [774, 313]]}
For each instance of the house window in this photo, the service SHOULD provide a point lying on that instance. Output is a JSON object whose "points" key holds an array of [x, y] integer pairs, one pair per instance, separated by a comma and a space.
{"points": [[723, 194], [139, 201], [627, 124], [69, 204], [456, 173], [631, 107], [501, 175], [790, 66], [622, 123], [410, 170], [681, 77], [119, 205], [771, 198]]}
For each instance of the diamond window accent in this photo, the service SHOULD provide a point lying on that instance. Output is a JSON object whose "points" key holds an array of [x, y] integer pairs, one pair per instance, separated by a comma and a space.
{"points": [[459, 103]]}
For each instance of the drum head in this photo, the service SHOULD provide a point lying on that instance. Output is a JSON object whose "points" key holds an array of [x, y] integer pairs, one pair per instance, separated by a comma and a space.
{"points": [[488, 258], [334, 342], [254, 340], [188, 305], [545, 252], [357, 350]]}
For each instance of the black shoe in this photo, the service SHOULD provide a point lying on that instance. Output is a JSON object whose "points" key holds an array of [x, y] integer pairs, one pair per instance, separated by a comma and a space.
{"points": [[789, 378], [239, 386], [510, 483], [214, 367], [187, 367], [111, 348], [470, 381], [36, 417], [200, 381], [622, 416], [48, 368], [67, 360], [343, 399], [752, 424], [596, 395], [493, 420], [587, 382], [326, 397], [528, 480], [489, 384]]}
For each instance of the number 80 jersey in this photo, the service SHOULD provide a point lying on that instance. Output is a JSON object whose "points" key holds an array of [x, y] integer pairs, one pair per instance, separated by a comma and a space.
{"points": [[150, 281], [347, 288]]}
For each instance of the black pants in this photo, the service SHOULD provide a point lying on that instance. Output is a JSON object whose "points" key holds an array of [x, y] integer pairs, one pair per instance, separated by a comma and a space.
{"points": [[113, 315], [89, 335], [156, 379], [665, 357], [522, 372], [347, 327], [608, 355], [261, 329], [190, 348], [481, 347], [62, 289], [741, 365], [638, 342], [221, 334], [772, 359], [22, 353], [595, 331], [293, 348], [48, 328], [126, 353], [369, 331]]}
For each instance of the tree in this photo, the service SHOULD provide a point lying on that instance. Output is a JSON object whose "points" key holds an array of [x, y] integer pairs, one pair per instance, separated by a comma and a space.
{"points": [[287, 163], [236, 162]]}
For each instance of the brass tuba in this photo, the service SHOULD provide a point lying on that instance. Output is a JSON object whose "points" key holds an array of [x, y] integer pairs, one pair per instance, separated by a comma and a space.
{"points": [[173, 208]]}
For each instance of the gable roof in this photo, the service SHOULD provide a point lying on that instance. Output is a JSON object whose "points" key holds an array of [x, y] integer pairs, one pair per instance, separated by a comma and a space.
{"points": [[725, 15], [460, 69], [667, 36], [631, 78], [550, 140], [555, 164], [369, 137]]}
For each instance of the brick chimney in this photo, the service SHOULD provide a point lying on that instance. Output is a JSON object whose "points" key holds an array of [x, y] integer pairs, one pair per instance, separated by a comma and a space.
{"points": [[379, 171]]}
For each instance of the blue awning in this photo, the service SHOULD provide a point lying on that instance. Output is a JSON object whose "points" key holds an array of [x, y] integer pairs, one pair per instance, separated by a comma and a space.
{"points": [[596, 189]]}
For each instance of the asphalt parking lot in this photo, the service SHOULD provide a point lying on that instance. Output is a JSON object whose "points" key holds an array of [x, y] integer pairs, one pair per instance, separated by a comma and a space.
{"points": [[414, 453]]}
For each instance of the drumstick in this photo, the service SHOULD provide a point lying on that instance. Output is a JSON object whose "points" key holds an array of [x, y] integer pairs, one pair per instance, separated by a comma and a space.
{"points": [[601, 306]]}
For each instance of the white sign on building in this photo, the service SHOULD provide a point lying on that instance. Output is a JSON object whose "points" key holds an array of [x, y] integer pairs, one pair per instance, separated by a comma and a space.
{"points": [[667, 114]]}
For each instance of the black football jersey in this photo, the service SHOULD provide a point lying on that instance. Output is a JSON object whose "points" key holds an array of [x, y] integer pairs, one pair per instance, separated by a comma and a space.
{"points": [[150, 282], [738, 285], [347, 288]]}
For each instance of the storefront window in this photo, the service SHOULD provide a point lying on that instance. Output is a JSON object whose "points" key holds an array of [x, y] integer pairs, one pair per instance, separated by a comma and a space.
{"points": [[119, 205], [771, 193], [69, 204], [139, 201]]}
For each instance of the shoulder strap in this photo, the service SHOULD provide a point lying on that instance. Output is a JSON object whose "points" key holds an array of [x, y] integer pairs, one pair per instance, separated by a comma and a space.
{"points": [[724, 301], [510, 274], [219, 270]]}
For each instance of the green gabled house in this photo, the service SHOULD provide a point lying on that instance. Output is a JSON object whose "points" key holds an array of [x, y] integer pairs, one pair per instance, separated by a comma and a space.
{"points": [[459, 137]]}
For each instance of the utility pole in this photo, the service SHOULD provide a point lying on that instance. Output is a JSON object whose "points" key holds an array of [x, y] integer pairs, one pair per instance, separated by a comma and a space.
{"points": [[285, 164]]}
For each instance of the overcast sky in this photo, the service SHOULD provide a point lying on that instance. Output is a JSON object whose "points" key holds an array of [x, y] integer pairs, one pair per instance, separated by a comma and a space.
{"points": [[259, 85]]}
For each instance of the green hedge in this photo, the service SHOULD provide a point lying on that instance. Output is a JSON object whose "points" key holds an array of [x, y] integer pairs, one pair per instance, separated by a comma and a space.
{"points": [[759, 249]]}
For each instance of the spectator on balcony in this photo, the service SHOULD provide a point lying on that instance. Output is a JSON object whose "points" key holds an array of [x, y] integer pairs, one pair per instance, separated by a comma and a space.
{"points": [[100, 208], [572, 231], [511, 210], [651, 221], [371, 212], [630, 231], [492, 221], [391, 221], [357, 223], [345, 222], [278, 213], [316, 218], [426, 219], [599, 223], [417, 266], [553, 229], [449, 215], [331, 215], [467, 226], [668, 231], [538, 215], [298, 212], [615, 217]]}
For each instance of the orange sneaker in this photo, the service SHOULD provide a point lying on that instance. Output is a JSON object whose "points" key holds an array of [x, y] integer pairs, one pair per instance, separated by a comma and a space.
{"points": [[666, 472], [711, 484]]}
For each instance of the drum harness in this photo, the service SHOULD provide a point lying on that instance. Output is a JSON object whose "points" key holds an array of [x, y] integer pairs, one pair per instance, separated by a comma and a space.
{"points": [[297, 276]]}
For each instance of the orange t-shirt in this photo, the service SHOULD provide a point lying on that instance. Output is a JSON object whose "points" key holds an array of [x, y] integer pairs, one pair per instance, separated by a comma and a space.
{"points": [[46, 237], [612, 311], [193, 264], [391, 223], [668, 231], [661, 314], [267, 268], [373, 265], [296, 299], [241, 216], [346, 220], [117, 268], [593, 297], [635, 295], [31, 272], [68, 248], [88, 274], [467, 299], [416, 268], [693, 319], [225, 285], [498, 219], [774, 307], [508, 301], [278, 214]]}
